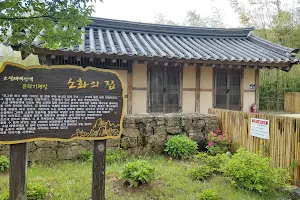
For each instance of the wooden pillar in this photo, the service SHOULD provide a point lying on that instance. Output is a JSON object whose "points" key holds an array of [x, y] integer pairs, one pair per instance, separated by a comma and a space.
{"points": [[242, 88], [180, 88], [129, 90], [257, 88], [98, 182], [18, 171], [198, 74]]}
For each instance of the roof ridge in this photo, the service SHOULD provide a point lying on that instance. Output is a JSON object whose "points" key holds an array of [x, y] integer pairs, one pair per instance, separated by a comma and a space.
{"points": [[168, 29]]}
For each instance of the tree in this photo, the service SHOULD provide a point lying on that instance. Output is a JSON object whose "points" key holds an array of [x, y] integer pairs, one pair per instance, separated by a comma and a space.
{"points": [[274, 20], [161, 18], [54, 22], [195, 19]]}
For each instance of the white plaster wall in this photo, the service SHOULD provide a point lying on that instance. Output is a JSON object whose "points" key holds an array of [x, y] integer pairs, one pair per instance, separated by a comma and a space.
{"points": [[249, 96], [123, 75], [139, 80]]}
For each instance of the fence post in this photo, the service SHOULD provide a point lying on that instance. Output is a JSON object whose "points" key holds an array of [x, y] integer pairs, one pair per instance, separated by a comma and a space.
{"points": [[98, 183], [18, 171]]}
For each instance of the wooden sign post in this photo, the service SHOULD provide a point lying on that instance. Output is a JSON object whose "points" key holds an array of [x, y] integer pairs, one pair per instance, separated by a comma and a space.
{"points": [[58, 103]]}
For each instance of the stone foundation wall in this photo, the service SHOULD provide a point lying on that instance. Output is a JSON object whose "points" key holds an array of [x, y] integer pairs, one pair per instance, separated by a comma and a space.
{"points": [[142, 134]]}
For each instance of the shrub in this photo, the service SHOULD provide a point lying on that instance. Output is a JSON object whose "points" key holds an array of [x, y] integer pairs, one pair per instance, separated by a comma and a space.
{"points": [[137, 173], [112, 155], [253, 172], [116, 155], [4, 163], [36, 191], [208, 195], [5, 196], [181, 146], [85, 156], [214, 162], [201, 172], [217, 142]]}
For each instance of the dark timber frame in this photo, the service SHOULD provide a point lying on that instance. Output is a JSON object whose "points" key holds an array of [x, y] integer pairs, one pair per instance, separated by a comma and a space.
{"points": [[180, 97]]}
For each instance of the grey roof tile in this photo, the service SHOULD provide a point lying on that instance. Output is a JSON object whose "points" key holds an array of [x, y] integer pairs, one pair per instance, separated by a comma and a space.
{"points": [[105, 36]]}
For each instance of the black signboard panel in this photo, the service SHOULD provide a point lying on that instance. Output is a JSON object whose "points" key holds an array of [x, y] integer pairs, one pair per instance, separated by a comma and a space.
{"points": [[60, 103]]}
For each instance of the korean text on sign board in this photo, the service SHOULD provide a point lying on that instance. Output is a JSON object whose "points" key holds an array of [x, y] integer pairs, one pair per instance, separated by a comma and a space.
{"points": [[59, 103]]}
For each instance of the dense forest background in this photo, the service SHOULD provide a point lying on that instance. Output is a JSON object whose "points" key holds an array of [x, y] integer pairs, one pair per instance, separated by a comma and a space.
{"points": [[275, 20]]}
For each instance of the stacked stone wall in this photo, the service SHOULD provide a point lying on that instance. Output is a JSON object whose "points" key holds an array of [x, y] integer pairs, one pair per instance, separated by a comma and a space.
{"points": [[142, 134]]}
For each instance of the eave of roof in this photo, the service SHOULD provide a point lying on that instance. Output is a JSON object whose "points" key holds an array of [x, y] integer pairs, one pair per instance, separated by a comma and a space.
{"points": [[133, 39]]}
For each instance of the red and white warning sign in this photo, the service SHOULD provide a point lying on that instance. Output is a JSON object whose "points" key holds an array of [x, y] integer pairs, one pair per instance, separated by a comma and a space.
{"points": [[260, 128]]}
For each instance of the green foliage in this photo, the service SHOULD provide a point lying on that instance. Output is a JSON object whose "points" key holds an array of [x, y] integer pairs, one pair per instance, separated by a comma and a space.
{"points": [[35, 191], [201, 172], [4, 163], [116, 155], [253, 172], [137, 173], [5, 196], [24, 20], [214, 162], [207, 165], [217, 142], [181, 146], [85, 156], [112, 155], [208, 194]]}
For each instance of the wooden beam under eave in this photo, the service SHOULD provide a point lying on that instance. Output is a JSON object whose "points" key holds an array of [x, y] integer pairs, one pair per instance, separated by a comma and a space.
{"points": [[257, 88], [129, 90], [198, 74], [158, 59]]}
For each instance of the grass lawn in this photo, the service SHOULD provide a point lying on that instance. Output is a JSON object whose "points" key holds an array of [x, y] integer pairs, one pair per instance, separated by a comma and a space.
{"points": [[71, 180]]}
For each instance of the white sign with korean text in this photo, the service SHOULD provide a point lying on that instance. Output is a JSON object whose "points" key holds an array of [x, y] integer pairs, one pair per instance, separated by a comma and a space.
{"points": [[260, 128]]}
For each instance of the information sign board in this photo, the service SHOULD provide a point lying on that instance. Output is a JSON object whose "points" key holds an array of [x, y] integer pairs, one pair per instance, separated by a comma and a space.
{"points": [[60, 103]]}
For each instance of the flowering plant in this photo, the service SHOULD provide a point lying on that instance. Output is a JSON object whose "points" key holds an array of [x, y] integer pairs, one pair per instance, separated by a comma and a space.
{"points": [[217, 142]]}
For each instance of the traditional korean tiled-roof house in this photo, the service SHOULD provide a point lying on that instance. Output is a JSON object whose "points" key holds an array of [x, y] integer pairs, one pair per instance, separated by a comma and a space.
{"points": [[176, 68]]}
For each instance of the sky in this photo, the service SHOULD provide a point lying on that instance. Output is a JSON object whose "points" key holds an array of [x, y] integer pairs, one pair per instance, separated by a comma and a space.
{"points": [[146, 10]]}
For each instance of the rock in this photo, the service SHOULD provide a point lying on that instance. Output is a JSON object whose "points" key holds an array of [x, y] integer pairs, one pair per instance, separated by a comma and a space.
{"points": [[296, 194], [127, 142], [5, 153], [135, 150], [4, 147], [42, 154], [45, 144], [149, 129], [197, 136], [69, 152], [72, 143], [157, 142], [113, 142], [141, 141], [86, 144], [173, 120], [131, 132], [187, 120], [129, 119], [160, 120], [294, 191], [174, 130], [160, 130], [170, 136]]}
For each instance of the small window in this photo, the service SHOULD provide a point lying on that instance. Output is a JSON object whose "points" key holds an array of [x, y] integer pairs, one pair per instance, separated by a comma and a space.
{"points": [[164, 89]]}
